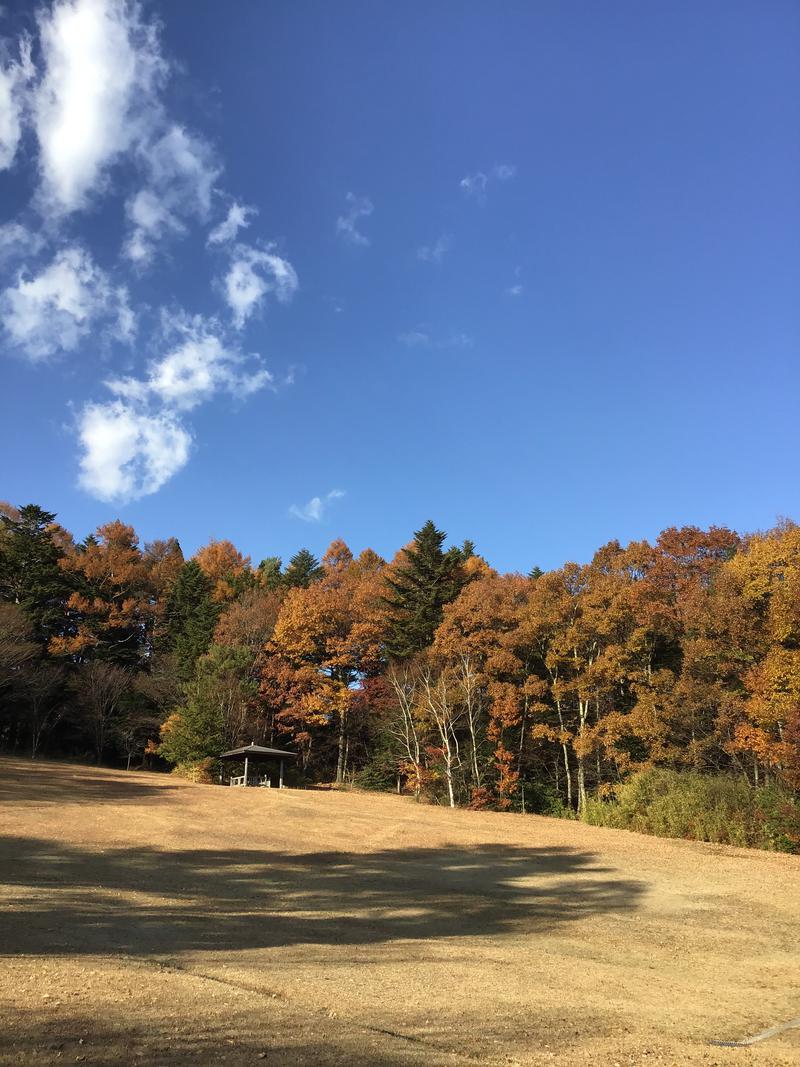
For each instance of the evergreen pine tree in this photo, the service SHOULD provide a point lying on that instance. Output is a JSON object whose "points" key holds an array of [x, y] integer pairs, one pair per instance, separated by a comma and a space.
{"points": [[428, 579], [268, 572], [30, 574], [303, 569], [191, 618]]}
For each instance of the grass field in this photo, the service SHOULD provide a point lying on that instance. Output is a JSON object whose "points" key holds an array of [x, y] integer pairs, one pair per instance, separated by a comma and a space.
{"points": [[150, 920]]}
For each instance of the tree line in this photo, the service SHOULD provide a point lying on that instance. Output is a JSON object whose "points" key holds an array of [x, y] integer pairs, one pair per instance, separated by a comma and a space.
{"points": [[431, 673]]}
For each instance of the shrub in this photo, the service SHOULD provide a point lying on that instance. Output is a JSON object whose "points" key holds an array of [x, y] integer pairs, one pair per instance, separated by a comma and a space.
{"points": [[202, 771], [714, 807]]}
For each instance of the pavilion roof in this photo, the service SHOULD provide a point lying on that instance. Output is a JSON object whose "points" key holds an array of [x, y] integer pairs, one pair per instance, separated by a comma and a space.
{"points": [[256, 751]]}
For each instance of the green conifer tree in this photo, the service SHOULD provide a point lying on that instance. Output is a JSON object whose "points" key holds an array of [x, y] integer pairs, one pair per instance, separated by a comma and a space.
{"points": [[303, 569], [30, 574], [429, 578], [268, 572], [191, 618]]}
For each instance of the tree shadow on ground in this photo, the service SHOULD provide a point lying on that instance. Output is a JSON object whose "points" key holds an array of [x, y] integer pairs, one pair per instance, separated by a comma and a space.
{"points": [[53, 783], [296, 1041], [67, 900]]}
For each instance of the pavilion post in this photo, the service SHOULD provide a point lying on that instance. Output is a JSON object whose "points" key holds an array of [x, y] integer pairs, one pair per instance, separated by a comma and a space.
{"points": [[280, 776], [245, 770]]}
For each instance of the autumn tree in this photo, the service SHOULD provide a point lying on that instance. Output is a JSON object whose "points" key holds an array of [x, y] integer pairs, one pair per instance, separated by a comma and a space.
{"points": [[111, 612], [767, 573], [477, 641], [228, 571], [249, 621], [327, 639], [163, 561]]}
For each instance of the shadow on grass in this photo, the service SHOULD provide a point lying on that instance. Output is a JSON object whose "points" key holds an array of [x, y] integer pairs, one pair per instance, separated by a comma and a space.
{"points": [[294, 1041], [66, 900], [55, 783]]}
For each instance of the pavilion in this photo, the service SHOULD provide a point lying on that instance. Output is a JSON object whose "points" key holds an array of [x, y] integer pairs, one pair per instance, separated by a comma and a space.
{"points": [[254, 754]]}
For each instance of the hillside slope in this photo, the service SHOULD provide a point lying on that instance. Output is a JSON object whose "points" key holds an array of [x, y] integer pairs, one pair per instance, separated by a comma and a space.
{"points": [[146, 919]]}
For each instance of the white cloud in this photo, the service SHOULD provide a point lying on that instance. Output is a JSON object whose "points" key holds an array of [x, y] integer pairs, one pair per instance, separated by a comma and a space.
{"points": [[503, 171], [129, 452], [181, 171], [360, 207], [94, 105], [516, 290], [422, 338], [238, 218], [132, 445], [14, 77], [414, 338], [314, 510], [193, 370], [434, 253], [17, 241], [54, 310], [97, 98], [253, 274], [457, 340], [126, 324], [475, 184]]}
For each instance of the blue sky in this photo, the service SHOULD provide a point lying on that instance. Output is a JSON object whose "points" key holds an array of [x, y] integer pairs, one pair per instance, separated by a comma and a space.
{"points": [[528, 269]]}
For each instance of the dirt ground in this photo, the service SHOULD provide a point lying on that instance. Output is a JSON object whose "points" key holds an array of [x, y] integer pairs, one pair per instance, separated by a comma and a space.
{"points": [[149, 920]]}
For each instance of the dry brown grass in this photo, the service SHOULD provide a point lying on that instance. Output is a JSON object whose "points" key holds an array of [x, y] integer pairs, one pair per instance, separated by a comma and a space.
{"points": [[151, 920]]}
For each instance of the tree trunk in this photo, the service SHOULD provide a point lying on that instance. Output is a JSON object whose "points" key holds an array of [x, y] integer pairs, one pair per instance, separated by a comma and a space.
{"points": [[341, 763], [581, 786], [448, 770], [583, 713], [565, 751]]}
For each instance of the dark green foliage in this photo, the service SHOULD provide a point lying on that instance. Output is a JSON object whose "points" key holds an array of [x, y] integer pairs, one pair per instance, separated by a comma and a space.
{"points": [[191, 618], [220, 693], [535, 572], [30, 574], [426, 580], [702, 807], [269, 572], [304, 568]]}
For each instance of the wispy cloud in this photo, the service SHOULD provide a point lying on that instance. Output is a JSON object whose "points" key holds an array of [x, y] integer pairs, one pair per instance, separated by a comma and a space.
{"points": [[19, 242], [181, 171], [475, 185], [14, 78], [198, 364], [421, 337], [238, 218], [253, 274], [414, 338], [359, 207], [516, 288], [316, 507], [435, 252]]}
